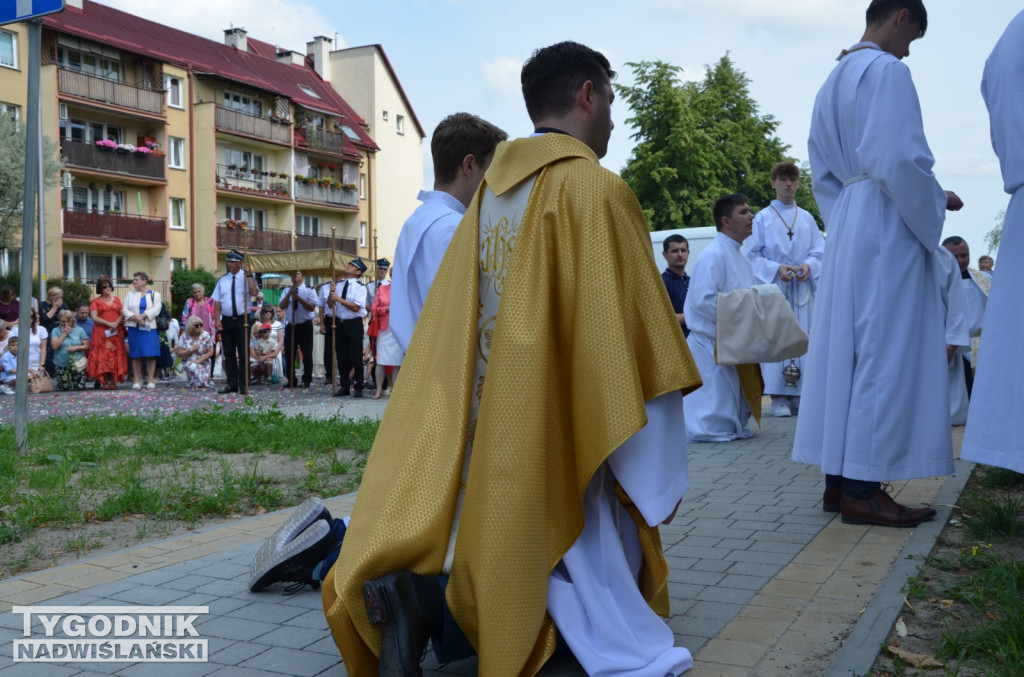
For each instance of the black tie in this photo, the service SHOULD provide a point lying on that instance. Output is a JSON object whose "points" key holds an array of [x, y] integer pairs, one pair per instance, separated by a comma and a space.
{"points": [[344, 291], [295, 302], [234, 303]]}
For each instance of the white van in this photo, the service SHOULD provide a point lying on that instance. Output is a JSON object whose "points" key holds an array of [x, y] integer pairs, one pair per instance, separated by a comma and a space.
{"points": [[698, 238]]}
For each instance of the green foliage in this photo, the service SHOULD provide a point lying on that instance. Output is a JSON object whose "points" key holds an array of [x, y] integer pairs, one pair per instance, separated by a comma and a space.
{"points": [[698, 141], [73, 291], [182, 280], [12, 176], [995, 236]]}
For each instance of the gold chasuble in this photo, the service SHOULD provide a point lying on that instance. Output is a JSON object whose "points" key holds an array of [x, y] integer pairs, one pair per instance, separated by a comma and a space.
{"points": [[583, 337]]}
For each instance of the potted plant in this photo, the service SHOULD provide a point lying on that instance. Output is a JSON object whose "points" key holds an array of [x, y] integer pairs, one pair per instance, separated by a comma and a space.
{"points": [[232, 166], [106, 144], [125, 148], [349, 186], [142, 151]]}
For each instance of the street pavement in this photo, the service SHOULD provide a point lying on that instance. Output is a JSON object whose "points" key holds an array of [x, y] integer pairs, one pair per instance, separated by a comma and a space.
{"points": [[762, 581]]}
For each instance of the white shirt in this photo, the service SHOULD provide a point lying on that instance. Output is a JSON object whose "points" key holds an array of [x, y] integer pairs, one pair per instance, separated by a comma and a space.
{"points": [[222, 293], [421, 246], [356, 293], [304, 293]]}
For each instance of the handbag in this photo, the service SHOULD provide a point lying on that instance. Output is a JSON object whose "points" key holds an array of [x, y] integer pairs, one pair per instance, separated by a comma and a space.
{"points": [[43, 384], [755, 325], [164, 318], [80, 363]]}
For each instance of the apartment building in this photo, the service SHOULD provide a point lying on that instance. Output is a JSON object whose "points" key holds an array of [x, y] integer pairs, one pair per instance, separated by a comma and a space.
{"points": [[179, 148]]}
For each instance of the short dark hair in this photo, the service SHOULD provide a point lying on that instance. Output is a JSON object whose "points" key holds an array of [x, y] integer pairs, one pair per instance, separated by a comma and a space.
{"points": [[673, 239], [82, 303], [984, 257], [953, 240], [880, 10], [103, 282], [459, 135], [552, 76], [725, 206], [785, 169]]}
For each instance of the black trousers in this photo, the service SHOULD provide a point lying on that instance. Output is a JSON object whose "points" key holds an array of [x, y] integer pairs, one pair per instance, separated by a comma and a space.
{"points": [[348, 340], [234, 349], [330, 348], [298, 337]]}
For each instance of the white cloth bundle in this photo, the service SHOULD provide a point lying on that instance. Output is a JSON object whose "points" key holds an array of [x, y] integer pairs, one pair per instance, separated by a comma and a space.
{"points": [[756, 325]]}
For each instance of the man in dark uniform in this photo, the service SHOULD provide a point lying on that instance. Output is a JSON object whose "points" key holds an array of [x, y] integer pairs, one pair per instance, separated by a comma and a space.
{"points": [[300, 304], [230, 304], [676, 250], [348, 299]]}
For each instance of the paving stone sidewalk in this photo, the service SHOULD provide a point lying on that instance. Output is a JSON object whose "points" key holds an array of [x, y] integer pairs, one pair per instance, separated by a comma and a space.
{"points": [[763, 583]]}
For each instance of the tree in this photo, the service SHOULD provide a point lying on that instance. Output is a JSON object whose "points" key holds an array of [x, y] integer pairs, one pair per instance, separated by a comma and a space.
{"points": [[995, 236], [12, 175], [698, 141], [182, 280]]}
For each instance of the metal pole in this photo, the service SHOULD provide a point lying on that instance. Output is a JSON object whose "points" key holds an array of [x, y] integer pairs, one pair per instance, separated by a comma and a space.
{"points": [[41, 216], [32, 135], [248, 304], [334, 314]]}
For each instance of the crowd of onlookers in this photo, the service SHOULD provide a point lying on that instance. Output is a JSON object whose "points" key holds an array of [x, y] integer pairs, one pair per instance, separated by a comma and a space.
{"points": [[105, 342]]}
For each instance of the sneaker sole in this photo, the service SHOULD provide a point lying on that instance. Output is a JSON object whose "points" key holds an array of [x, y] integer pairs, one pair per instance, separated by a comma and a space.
{"points": [[309, 511], [263, 574]]}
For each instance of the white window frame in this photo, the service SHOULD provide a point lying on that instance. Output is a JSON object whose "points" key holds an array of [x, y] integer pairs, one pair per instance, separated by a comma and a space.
{"points": [[362, 186], [176, 212], [179, 264], [363, 227], [256, 218], [14, 49], [400, 124], [10, 109], [175, 152], [243, 103], [75, 265], [97, 199], [174, 86], [307, 225], [384, 114], [105, 64]]}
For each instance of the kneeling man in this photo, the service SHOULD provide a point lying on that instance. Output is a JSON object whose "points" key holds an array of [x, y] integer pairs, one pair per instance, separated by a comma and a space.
{"points": [[718, 411]]}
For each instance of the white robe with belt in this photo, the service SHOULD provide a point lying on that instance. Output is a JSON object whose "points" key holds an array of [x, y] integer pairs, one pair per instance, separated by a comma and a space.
{"points": [[771, 246], [875, 402], [994, 434], [717, 411]]}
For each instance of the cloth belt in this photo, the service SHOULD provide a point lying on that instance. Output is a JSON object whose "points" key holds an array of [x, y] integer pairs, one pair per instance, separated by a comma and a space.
{"points": [[855, 179]]}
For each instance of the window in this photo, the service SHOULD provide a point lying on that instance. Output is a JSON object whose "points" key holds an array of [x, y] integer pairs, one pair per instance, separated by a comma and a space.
{"points": [[83, 266], [95, 199], [350, 133], [243, 104], [400, 124], [10, 261], [362, 233], [385, 116], [307, 225], [175, 152], [8, 49], [10, 110], [89, 62], [173, 87], [308, 90], [178, 213], [256, 218], [179, 264], [362, 186], [90, 132]]}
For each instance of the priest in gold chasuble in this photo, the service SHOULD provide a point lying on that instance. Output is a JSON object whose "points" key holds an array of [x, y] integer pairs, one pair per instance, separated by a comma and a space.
{"points": [[537, 437]]}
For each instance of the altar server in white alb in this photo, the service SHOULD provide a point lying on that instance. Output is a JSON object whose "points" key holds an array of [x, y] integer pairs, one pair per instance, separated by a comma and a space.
{"points": [[876, 389], [462, 148], [958, 334], [994, 434], [718, 410], [785, 249]]}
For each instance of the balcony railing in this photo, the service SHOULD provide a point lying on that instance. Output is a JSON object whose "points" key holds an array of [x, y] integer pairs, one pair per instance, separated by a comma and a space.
{"points": [[91, 156], [252, 182], [262, 240], [320, 139], [253, 125], [345, 245], [326, 195], [109, 91], [111, 226]]}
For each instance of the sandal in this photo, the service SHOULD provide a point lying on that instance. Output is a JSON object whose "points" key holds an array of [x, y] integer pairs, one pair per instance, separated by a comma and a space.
{"points": [[375, 396]]}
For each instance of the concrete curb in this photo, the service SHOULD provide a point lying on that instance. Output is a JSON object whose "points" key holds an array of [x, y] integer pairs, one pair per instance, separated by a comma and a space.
{"points": [[861, 648]]}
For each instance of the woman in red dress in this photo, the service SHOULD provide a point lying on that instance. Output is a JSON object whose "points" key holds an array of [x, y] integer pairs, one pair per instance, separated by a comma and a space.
{"points": [[108, 358]]}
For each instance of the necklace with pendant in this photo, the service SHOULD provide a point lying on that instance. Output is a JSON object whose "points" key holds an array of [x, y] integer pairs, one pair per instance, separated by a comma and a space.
{"points": [[789, 226]]}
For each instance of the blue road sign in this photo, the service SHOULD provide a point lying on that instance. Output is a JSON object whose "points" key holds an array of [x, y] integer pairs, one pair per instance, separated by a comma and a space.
{"points": [[20, 10]]}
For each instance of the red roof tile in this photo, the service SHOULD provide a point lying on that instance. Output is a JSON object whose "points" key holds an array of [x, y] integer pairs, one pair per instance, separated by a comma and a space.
{"points": [[257, 67]]}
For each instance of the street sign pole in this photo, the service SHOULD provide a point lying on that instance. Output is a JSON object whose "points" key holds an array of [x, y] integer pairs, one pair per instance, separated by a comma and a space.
{"points": [[32, 140]]}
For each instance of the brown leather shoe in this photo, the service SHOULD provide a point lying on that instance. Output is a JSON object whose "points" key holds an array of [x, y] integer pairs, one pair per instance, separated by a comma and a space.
{"points": [[830, 499], [882, 510]]}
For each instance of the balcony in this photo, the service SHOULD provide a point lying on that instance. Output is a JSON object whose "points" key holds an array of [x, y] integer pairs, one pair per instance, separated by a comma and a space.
{"points": [[345, 245], [110, 92], [251, 182], [91, 156], [253, 125], [337, 197], [261, 240], [320, 140], [111, 226]]}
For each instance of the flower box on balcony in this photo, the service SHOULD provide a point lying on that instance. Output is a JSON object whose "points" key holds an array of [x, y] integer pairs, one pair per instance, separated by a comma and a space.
{"points": [[106, 144]]}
